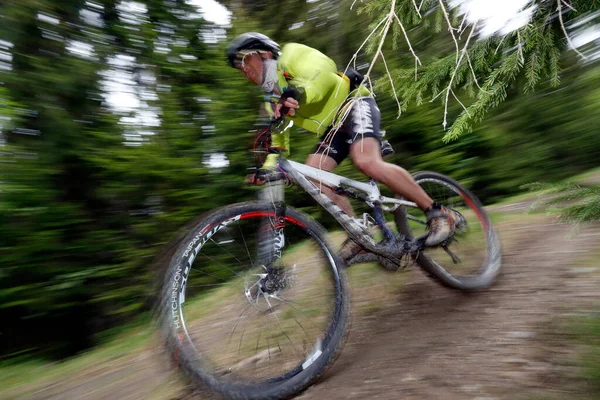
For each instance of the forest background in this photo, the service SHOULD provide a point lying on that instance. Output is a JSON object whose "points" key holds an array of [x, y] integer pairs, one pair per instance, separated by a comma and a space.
{"points": [[121, 122]]}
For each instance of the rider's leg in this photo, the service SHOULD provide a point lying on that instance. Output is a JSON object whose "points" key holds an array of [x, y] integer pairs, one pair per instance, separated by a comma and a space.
{"points": [[366, 156], [441, 221], [326, 163]]}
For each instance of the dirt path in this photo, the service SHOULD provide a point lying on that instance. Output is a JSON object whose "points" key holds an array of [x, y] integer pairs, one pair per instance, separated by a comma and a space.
{"points": [[426, 342], [439, 344]]}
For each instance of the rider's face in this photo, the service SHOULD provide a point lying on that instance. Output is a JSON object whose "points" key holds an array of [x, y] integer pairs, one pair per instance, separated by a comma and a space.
{"points": [[252, 67]]}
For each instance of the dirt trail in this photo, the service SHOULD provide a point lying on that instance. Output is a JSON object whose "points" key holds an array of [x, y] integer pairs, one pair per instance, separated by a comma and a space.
{"points": [[426, 342], [436, 343]]}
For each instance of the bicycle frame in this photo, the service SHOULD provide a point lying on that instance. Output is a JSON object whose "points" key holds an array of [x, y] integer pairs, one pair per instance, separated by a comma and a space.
{"points": [[302, 174]]}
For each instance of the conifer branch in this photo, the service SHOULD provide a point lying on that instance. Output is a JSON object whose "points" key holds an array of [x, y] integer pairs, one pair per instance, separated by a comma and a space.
{"points": [[571, 202]]}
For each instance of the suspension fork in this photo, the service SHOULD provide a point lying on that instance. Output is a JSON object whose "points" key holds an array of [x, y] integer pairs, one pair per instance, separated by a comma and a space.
{"points": [[272, 231]]}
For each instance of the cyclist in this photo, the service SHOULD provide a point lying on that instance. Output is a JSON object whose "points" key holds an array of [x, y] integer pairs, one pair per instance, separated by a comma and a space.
{"points": [[307, 84]]}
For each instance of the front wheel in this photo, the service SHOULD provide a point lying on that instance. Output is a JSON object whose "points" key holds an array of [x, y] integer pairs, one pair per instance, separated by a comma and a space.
{"points": [[249, 319], [473, 260]]}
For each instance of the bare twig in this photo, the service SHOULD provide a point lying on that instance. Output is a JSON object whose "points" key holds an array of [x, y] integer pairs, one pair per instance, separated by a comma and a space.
{"points": [[389, 17], [449, 89], [392, 84], [500, 44], [462, 23], [562, 25], [568, 5], [417, 59], [417, 8], [416, 68], [450, 28], [438, 95], [355, 55], [520, 47], [459, 102], [475, 77]]}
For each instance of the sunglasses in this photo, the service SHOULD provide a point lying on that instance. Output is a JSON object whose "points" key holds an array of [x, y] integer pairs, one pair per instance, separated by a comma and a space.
{"points": [[243, 54]]}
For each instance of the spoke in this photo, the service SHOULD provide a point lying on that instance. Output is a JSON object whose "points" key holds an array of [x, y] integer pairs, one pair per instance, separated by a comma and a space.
{"points": [[225, 250], [257, 341], [291, 304], [246, 307], [213, 276], [303, 330], [224, 266], [220, 264], [281, 327], [246, 246], [240, 345]]}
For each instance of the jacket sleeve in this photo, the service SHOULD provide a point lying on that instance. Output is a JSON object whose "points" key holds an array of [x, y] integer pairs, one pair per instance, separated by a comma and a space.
{"points": [[316, 87], [313, 73]]}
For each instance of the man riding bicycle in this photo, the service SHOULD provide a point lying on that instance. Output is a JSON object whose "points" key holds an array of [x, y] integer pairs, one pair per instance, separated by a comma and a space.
{"points": [[317, 98]]}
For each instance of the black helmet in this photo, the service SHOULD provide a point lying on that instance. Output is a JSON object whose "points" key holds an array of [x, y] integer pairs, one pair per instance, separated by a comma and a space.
{"points": [[250, 41]]}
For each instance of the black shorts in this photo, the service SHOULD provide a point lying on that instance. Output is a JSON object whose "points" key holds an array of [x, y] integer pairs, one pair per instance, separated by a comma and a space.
{"points": [[363, 120]]}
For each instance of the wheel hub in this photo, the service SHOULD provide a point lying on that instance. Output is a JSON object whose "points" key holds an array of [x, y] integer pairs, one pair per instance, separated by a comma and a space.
{"points": [[267, 285]]}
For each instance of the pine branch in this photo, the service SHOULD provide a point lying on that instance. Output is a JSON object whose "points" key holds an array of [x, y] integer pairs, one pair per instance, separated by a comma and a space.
{"points": [[483, 68], [571, 202]]}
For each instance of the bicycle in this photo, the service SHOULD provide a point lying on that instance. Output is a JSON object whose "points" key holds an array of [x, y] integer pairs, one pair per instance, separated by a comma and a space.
{"points": [[255, 302]]}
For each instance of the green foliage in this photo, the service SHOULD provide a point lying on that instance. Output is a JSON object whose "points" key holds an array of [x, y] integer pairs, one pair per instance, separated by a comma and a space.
{"points": [[90, 193], [573, 203], [529, 55], [84, 207]]}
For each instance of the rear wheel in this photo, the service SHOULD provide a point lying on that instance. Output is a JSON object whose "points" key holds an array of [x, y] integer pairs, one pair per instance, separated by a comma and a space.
{"points": [[248, 324], [473, 260]]}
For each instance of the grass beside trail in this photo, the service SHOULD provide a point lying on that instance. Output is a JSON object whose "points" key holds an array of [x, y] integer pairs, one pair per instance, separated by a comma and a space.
{"points": [[134, 339]]}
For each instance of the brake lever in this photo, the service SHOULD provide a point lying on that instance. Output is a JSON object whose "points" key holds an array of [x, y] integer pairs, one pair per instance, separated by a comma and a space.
{"points": [[278, 124]]}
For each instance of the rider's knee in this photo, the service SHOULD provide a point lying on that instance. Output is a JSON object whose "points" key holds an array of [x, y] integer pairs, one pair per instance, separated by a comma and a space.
{"points": [[372, 168]]}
